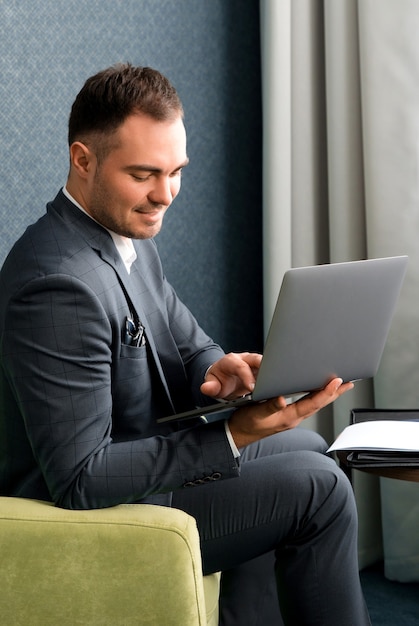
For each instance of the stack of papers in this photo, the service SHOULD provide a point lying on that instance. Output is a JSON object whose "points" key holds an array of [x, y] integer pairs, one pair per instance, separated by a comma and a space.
{"points": [[380, 443]]}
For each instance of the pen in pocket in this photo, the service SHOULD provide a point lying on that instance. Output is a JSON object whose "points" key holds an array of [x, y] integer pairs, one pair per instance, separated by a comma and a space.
{"points": [[134, 333]]}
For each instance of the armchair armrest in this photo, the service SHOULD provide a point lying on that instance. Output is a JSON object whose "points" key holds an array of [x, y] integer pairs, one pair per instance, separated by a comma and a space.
{"points": [[129, 564]]}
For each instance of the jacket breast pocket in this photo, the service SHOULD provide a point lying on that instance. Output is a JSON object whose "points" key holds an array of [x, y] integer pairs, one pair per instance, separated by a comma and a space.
{"points": [[133, 391], [132, 373], [133, 352]]}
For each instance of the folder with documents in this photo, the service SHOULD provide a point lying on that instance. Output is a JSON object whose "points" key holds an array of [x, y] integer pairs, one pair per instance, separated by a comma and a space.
{"points": [[386, 438]]}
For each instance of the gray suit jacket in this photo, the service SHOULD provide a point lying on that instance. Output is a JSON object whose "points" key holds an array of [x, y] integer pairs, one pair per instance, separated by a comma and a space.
{"points": [[78, 405]]}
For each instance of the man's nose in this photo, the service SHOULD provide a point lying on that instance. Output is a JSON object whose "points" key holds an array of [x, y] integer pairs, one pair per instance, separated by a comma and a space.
{"points": [[162, 192]]}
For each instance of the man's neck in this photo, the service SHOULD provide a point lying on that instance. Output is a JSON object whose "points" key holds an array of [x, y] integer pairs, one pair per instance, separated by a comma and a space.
{"points": [[124, 245]]}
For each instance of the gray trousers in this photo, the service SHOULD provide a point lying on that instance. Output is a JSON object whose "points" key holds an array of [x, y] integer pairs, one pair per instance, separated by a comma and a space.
{"points": [[285, 531]]}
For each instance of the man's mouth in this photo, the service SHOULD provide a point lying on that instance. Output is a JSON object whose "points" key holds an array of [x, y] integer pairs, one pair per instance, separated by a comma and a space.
{"points": [[154, 211], [151, 215]]}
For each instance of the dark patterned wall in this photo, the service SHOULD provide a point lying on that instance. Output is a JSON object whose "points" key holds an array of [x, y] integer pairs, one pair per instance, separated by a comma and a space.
{"points": [[211, 242]]}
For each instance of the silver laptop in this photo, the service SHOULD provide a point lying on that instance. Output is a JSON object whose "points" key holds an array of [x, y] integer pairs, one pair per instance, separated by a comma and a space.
{"points": [[329, 320]]}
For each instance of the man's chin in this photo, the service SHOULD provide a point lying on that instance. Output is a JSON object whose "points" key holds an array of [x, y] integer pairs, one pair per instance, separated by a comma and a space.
{"points": [[149, 226], [148, 232]]}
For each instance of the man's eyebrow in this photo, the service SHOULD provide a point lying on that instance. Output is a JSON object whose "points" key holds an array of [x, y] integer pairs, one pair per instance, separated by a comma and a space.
{"points": [[144, 167]]}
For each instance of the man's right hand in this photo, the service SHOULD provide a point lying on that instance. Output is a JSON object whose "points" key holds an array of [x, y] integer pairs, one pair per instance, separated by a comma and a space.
{"points": [[256, 421], [232, 376]]}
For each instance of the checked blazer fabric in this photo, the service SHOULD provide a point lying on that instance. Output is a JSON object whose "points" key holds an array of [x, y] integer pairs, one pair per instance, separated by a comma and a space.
{"points": [[78, 406]]}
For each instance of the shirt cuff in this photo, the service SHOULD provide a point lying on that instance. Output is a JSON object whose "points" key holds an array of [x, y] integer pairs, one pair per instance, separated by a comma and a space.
{"points": [[234, 448]]}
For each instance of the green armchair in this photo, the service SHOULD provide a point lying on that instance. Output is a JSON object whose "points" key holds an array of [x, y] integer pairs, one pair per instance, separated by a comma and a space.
{"points": [[130, 564]]}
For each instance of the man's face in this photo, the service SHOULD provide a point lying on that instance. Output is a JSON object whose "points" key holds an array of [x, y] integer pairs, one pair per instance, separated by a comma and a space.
{"points": [[131, 189]]}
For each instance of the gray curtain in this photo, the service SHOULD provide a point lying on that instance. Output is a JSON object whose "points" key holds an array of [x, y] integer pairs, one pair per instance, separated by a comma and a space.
{"points": [[340, 182]]}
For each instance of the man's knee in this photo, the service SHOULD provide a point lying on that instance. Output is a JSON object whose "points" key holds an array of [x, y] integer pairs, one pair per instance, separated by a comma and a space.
{"points": [[333, 490], [294, 440]]}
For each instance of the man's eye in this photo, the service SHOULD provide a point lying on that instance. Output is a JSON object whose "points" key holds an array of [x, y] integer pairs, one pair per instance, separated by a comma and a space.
{"points": [[140, 179]]}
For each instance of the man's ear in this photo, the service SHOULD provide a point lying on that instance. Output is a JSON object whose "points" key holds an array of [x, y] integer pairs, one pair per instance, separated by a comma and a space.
{"points": [[82, 159]]}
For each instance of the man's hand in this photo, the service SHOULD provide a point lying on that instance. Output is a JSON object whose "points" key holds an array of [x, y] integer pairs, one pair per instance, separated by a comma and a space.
{"points": [[232, 376], [257, 421]]}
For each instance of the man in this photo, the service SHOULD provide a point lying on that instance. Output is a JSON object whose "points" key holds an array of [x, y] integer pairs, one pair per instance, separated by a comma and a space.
{"points": [[96, 346]]}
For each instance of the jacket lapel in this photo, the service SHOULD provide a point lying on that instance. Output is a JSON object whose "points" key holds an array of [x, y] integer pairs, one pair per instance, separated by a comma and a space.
{"points": [[131, 288], [166, 354]]}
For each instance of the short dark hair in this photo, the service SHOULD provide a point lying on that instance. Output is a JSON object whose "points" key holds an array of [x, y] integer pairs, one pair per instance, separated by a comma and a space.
{"points": [[110, 96]]}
